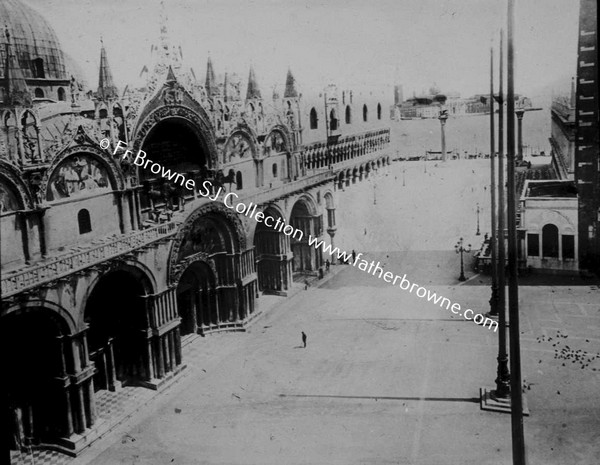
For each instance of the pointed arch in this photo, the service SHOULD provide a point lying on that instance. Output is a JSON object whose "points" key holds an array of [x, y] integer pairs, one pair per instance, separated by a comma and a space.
{"points": [[314, 120]]}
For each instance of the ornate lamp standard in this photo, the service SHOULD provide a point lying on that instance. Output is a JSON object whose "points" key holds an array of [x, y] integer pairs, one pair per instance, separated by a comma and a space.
{"points": [[374, 191], [460, 249], [478, 233], [443, 118]]}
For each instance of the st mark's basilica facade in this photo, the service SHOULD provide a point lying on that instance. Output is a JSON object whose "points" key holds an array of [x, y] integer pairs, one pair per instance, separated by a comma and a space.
{"points": [[108, 268]]}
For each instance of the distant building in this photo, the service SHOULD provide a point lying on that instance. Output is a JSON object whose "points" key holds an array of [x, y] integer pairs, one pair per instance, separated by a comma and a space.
{"points": [[549, 221], [427, 106], [547, 207], [562, 139]]}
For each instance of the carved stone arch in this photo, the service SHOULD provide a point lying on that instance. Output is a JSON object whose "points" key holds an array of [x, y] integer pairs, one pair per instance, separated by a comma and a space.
{"points": [[263, 209], [286, 134], [329, 199], [182, 266], [143, 274], [117, 181], [185, 229], [14, 181], [62, 317], [26, 111], [246, 133], [308, 201], [197, 120], [7, 114]]}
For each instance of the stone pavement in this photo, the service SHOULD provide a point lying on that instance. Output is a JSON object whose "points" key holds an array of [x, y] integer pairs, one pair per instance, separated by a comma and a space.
{"points": [[386, 378], [114, 408]]}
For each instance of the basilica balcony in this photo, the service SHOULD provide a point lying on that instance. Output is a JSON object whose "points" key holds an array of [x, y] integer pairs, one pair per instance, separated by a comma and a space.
{"points": [[81, 258]]}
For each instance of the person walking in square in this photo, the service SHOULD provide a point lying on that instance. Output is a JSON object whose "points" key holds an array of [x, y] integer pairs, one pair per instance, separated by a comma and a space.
{"points": [[304, 339]]}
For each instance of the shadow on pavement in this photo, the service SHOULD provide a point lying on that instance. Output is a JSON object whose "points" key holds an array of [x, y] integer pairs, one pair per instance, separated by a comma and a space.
{"points": [[474, 400]]}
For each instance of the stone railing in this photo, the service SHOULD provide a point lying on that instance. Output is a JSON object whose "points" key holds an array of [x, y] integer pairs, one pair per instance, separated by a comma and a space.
{"points": [[268, 195], [321, 155], [32, 276]]}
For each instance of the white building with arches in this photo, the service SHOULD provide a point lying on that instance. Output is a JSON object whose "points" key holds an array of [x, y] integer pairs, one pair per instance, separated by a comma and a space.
{"points": [[548, 226]]}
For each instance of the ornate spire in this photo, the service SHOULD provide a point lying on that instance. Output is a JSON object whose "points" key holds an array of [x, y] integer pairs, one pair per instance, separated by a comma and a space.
{"points": [[17, 91], [106, 87], [210, 85], [290, 86], [165, 54], [253, 92], [225, 87], [171, 75]]}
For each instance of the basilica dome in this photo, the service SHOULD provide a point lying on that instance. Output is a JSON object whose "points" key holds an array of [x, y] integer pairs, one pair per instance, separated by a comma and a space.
{"points": [[34, 42]]}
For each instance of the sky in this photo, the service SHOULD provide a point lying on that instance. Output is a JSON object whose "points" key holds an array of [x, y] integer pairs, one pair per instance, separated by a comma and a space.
{"points": [[351, 42]]}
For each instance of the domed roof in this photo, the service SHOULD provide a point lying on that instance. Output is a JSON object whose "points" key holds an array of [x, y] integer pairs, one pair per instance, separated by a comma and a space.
{"points": [[34, 42]]}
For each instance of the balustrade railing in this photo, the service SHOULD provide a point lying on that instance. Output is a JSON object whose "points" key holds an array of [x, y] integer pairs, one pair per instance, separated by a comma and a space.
{"points": [[21, 280]]}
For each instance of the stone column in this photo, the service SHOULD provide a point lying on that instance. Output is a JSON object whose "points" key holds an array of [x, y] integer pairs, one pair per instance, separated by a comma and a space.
{"points": [[68, 424], [111, 369], [331, 232]]}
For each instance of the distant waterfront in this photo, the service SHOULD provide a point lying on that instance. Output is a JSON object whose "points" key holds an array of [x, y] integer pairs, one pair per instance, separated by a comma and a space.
{"points": [[467, 133]]}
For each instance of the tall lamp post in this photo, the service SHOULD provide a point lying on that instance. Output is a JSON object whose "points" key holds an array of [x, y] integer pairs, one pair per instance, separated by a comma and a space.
{"points": [[374, 191], [498, 399], [502, 390], [461, 249], [478, 233], [443, 118]]}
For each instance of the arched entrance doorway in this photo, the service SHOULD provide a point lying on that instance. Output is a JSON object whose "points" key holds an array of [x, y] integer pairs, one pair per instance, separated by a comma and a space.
{"points": [[225, 283], [36, 359], [271, 247], [304, 217], [118, 323], [550, 241], [176, 145], [197, 298]]}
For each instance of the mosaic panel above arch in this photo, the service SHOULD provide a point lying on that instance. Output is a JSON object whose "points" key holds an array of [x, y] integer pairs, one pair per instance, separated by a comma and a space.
{"points": [[9, 200], [78, 174]]}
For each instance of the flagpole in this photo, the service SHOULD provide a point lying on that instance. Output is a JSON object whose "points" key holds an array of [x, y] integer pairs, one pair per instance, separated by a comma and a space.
{"points": [[518, 441]]}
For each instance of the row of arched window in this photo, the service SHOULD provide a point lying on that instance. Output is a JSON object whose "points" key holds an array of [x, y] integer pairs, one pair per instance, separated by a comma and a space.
{"points": [[333, 120], [39, 93], [550, 244]]}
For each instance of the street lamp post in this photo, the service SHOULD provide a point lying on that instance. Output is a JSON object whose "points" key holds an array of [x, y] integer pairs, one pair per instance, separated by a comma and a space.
{"points": [[460, 249], [403, 176], [443, 118], [478, 233], [374, 191]]}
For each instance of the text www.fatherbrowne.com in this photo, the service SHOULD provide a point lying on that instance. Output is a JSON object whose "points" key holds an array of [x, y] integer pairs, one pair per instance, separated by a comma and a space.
{"points": [[208, 190], [404, 284]]}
